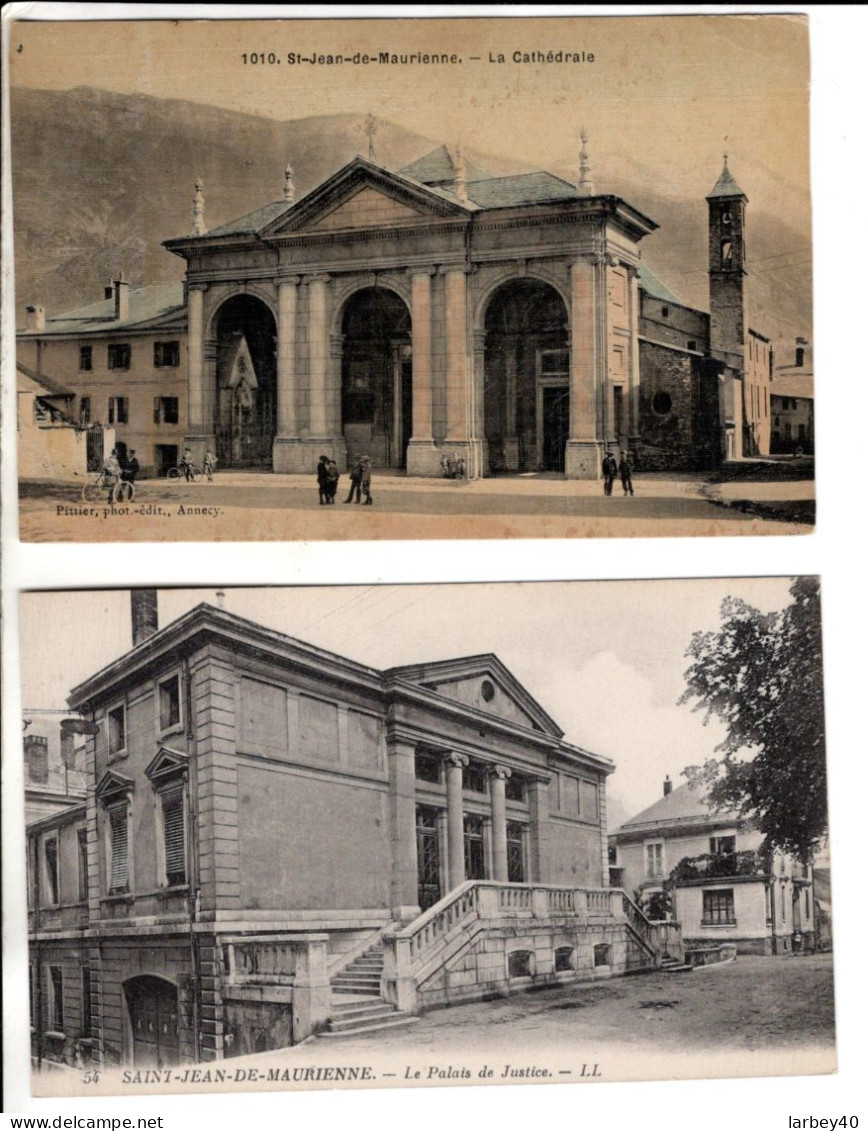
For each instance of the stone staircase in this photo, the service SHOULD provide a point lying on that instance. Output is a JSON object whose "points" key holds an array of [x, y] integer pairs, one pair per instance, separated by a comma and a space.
{"points": [[673, 966], [363, 1010]]}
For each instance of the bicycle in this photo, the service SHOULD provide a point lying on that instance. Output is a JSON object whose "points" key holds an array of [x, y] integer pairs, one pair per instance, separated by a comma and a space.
{"points": [[102, 486], [180, 472]]}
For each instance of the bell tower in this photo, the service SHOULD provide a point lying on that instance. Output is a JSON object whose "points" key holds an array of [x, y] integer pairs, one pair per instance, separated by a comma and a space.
{"points": [[727, 264]]}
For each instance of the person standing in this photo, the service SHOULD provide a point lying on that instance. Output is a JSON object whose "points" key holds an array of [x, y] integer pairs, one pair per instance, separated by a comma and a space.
{"points": [[208, 465], [625, 470], [333, 476], [131, 467], [366, 481], [322, 480], [610, 470], [355, 482], [112, 470]]}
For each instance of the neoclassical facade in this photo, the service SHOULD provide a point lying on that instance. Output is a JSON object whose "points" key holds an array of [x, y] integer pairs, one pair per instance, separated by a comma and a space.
{"points": [[408, 315]]}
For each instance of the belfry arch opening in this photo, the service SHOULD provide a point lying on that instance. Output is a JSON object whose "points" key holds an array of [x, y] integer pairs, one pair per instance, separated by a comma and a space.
{"points": [[527, 378], [246, 409], [377, 377]]}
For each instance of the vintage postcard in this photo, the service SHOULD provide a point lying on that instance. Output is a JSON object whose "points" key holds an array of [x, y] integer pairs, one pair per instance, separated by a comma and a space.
{"points": [[483, 277], [403, 836]]}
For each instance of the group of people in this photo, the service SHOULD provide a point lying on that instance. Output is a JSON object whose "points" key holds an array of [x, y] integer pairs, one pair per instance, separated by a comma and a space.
{"points": [[120, 466], [328, 475], [612, 468], [188, 468]]}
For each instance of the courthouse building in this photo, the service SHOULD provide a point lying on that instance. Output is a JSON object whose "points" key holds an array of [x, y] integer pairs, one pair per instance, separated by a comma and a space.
{"points": [[277, 840], [427, 312]]}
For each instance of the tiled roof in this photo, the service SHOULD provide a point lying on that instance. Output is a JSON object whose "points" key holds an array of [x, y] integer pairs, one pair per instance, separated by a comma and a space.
{"points": [[522, 188], [253, 221], [681, 805], [437, 166], [147, 304], [651, 285], [48, 384], [726, 185]]}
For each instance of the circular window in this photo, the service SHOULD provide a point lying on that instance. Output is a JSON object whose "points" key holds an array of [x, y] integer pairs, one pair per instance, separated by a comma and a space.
{"points": [[662, 404], [487, 690]]}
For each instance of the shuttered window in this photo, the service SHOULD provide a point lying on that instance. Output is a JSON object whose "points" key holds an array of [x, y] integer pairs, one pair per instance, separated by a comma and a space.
{"points": [[173, 836], [119, 877], [56, 1004], [52, 875]]}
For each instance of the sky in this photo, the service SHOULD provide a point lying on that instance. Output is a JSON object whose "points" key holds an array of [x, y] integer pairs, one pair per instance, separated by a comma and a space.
{"points": [[664, 97], [605, 659]]}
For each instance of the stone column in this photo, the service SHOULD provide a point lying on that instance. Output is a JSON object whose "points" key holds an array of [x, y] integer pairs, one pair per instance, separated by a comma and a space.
{"points": [[286, 442], [200, 425], [318, 346], [538, 803], [633, 402], [510, 442], [583, 459], [500, 868], [457, 399], [422, 455], [455, 764], [404, 888]]}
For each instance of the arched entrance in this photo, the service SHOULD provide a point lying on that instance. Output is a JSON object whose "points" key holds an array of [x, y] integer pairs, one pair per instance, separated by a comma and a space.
{"points": [[152, 1005], [527, 377], [246, 382], [377, 377]]}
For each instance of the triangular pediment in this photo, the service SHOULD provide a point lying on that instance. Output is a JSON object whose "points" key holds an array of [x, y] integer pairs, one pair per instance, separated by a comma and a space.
{"points": [[113, 784], [167, 763], [363, 195], [485, 684]]}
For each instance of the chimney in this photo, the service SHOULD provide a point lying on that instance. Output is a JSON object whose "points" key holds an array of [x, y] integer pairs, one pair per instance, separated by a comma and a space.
{"points": [[143, 607], [122, 299], [460, 178], [667, 786], [36, 318]]}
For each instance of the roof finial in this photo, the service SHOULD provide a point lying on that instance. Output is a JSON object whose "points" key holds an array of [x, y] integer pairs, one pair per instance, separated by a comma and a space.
{"points": [[288, 184], [371, 128], [460, 174], [585, 185], [199, 208]]}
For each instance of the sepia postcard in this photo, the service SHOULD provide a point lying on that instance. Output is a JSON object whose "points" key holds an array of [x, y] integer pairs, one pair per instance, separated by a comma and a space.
{"points": [[483, 277], [417, 835]]}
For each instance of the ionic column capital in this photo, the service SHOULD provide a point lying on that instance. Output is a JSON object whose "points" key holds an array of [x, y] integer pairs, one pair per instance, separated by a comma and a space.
{"points": [[200, 287], [309, 280], [500, 772], [425, 271], [287, 280], [460, 761]]}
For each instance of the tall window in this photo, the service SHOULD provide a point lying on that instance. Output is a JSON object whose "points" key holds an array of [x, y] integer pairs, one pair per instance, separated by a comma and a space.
{"points": [[165, 410], [52, 874], [474, 848], [169, 697], [85, 358], [55, 1004], [118, 864], [515, 788], [718, 907], [174, 840], [117, 729], [82, 864], [427, 767], [86, 999], [722, 845], [654, 860], [84, 410], [166, 354], [119, 356], [119, 410], [515, 852], [474, 778]]}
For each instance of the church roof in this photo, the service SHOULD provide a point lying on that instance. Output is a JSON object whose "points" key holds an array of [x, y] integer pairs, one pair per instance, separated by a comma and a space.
{"points": [[652, 286], [437, 166], [253, 221], [521, 188], [726, 185], [684, 805], [147, 305]]}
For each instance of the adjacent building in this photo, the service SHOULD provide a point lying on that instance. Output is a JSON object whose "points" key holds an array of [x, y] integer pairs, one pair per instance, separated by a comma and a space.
{"points": [[793, 403], [704, 869], [431, 311], [269, 826]]}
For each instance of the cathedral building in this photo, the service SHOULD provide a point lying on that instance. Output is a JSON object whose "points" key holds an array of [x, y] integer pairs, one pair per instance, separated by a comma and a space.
{"points": [[439, 311]]}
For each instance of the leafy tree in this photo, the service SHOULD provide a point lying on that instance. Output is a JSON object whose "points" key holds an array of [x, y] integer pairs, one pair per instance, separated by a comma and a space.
{"points": [[761, 674]]}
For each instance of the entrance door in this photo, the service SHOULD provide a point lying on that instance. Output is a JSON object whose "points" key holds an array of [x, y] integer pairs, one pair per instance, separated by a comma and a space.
{"points": [[427, 856], [153, 1009], [474, 848], [166, 456], [556, 426]]}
